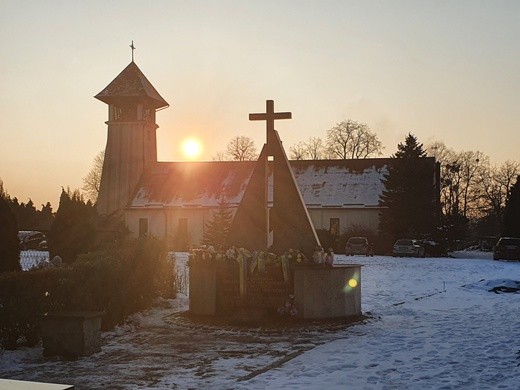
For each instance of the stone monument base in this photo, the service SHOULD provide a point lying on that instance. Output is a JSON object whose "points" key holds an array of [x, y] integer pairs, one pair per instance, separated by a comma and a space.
{"points": [[323, 293], [309, 293], [71, 334]]}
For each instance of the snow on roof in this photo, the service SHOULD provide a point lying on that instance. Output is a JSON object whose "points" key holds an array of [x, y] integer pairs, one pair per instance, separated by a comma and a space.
{"points": [[193, 184], [323, 183], [340, 183]]}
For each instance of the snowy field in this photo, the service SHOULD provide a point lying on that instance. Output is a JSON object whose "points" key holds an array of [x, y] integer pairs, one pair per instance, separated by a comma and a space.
{"points": [[434, 324]]}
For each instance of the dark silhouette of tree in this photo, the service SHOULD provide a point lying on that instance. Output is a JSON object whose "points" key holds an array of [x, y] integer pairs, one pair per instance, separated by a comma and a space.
{"points": [[312, 149], [45, 217], [298, 151], [217, 227], [512, 211], [92, 181], [351, 139], [9, 243], [74, 227], [241, 148], [28, 218], [409, 201]]}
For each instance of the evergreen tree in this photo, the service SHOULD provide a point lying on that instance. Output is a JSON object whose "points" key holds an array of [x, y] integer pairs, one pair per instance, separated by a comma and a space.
{"points": [[512, 211], [410, 207], [28, 218], [9, 243], [74, 227], [45, 217], [217, 227]]}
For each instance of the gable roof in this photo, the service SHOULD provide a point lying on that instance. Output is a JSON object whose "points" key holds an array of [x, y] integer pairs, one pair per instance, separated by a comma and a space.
{"points": [[131, 83], [322, 183]]}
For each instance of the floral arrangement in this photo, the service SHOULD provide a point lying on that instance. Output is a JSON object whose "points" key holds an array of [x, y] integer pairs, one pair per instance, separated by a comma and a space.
{"points": [[259, 259]]}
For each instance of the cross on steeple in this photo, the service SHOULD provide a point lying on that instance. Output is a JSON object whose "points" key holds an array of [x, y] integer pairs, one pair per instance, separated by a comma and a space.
{"points": [[133, 48], [269, 116]]}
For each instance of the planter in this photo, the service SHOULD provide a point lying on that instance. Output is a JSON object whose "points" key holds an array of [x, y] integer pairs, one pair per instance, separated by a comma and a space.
{"points": [[321, 293], [71, 334], [203, 289]]}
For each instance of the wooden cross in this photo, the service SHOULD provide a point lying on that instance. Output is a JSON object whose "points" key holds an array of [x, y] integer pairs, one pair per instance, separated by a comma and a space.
{"points": [[269, 116], [133, 48]]}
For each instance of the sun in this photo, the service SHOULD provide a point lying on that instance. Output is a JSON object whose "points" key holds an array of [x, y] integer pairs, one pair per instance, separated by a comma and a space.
{"points": [[191, 148]]}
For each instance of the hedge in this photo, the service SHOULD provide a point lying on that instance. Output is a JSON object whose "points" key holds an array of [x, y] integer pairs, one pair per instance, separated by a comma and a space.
{"points": [[119, 281]]}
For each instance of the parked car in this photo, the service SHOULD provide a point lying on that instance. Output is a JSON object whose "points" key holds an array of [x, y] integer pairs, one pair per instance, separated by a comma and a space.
{"points": [[358, 246], [507, 248], [30, 239], [408, 247]]}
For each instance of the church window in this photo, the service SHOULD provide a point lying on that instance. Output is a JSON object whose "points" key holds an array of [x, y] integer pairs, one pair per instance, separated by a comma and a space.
{"points": [[118, 113], [143, 227], [334, 227], [147, 115]]}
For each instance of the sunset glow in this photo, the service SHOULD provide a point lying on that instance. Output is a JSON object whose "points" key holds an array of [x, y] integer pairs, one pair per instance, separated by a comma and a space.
{"points": [[444, 71], [191, 148]]}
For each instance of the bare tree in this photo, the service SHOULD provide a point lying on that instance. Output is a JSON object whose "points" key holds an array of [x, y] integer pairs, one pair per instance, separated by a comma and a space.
{"points": [[351, 139], [494, 186], [472, 165], [298, 151], [313, 149], [92, 181], [241, 148], [220, 156]]}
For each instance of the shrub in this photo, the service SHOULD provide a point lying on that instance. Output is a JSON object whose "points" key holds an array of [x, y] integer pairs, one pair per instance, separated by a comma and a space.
{"points": [[9, 244], [120, 280], [328, 240]]}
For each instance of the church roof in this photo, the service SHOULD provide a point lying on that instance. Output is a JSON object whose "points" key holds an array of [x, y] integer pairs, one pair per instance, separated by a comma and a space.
{"points": [[322, 183], [131, 83]]}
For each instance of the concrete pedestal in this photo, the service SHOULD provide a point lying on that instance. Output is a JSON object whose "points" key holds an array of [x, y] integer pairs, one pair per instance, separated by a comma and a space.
{"points": [[321, 293], [71, 334], [203, 290]]}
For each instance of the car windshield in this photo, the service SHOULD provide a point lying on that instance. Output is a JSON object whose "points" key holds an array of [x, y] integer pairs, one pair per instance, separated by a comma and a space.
{"points": [[357, 240], [404, 242], [510, 241]]}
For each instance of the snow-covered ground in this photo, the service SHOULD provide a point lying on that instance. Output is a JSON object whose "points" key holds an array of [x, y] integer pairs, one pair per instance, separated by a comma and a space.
{"points": [[434, 324]]}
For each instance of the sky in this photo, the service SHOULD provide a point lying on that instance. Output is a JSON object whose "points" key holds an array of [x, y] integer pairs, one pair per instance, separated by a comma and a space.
{"points": [[442, 70]]}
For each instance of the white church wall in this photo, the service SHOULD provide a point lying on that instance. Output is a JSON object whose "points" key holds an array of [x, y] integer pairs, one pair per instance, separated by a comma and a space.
{"points": [[155, 220], [169, 223], [348, 218]]}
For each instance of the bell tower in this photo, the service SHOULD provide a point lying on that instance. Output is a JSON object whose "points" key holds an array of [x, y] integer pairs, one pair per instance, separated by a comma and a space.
{"points": [[131, 142]]}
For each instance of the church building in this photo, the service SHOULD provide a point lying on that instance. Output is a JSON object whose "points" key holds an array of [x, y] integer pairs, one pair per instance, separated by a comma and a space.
{"points": [[175, 200]]}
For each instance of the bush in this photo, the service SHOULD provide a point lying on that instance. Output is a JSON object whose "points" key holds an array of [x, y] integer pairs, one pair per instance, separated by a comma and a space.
{"points": [[119, 281], [9, 244], [74, 228], [328, 240]]}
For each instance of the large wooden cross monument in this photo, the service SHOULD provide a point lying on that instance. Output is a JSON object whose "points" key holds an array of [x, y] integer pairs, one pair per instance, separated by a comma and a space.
{"points": [[272, 215]]}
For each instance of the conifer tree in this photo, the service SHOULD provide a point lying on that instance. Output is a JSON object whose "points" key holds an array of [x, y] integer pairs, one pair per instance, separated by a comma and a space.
{"points": [[74, 227], [9, 243], [512, 211], [217, 227], [408, 200]]}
